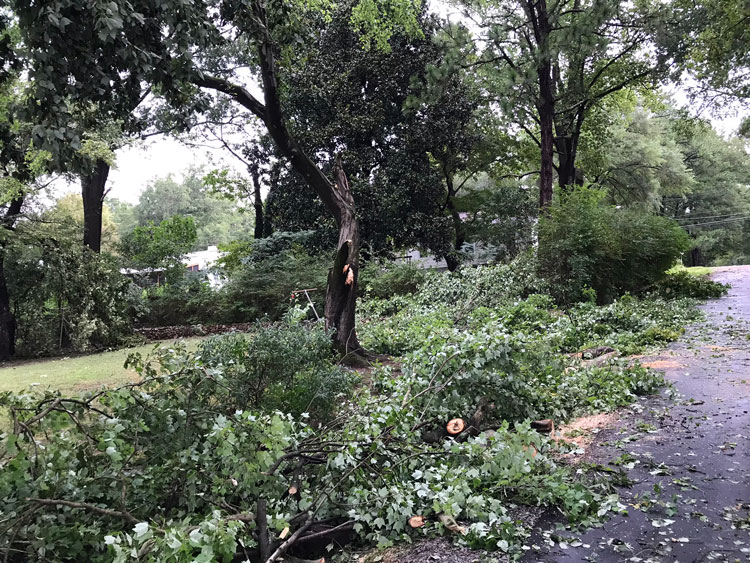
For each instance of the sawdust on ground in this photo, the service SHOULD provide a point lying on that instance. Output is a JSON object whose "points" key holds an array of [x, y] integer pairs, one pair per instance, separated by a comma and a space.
{"points": [[581, 430]]}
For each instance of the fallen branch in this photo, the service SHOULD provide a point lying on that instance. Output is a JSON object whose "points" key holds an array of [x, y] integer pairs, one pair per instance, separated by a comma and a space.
{"points": [[281, 550], [348, 525], [124, 515]]}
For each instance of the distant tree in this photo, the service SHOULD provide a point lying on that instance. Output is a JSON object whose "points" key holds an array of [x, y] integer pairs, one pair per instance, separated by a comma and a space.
{"points": [[161, 245], [641, 162], [123, 216], [217, 220], [69, 208]]}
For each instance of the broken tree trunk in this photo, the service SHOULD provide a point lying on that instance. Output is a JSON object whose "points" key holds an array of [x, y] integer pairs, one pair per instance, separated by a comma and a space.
{"points": [[455, 426], [546, 426], [341, 295], [416, 521]]}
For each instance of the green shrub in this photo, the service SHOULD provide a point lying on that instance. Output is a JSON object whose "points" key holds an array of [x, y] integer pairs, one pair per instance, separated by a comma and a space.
{"points": [[161, 246], [405, 331], [69, 298], [264, 287], [386, 280], [483, 286], [288, 367], [586, 243], [189, 300], [683, 284]]}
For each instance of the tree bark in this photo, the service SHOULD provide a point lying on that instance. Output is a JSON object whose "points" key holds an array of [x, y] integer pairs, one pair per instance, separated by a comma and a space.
{"points": [[7, 319], [92, 190], [341, 295], [452, 260], [546, 175], [258, 205], [537, 13]]}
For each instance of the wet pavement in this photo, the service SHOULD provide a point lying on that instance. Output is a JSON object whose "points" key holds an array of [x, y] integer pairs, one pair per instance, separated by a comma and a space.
{"points": [[686, 454]]}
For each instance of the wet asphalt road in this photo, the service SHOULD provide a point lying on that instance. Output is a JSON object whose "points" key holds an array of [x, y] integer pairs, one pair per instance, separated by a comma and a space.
{"points": [[687, 457]]}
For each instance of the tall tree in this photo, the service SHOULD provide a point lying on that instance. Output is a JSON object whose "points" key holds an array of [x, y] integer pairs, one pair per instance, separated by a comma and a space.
{"points": [[188, 51], [548, 63], [712, 37], [403, 143], [14, 173]]}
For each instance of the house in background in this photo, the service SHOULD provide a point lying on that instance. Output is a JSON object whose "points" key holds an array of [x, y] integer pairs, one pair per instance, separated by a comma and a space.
{"points": [[197, 262]]}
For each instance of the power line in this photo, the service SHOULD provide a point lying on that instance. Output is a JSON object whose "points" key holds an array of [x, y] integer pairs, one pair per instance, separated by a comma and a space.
{"points": [[717, 222], [725, 215]]}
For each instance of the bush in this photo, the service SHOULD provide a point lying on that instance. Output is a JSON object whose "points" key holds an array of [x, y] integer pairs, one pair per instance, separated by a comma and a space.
{"points": [[70, 298], [189, 300], [483, 286], [586, 243], [382, 281], [684, 284], [403, 332], [264, 287], [288, 367]]}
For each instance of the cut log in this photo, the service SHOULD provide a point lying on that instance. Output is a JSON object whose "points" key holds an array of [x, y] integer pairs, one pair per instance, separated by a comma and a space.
{"points": [[601, 360], [476, 420], [532, 449], [284, 533], [293, 490], [450, 524], [416, 521], [455, 426], [591, 353], [546, 426]]}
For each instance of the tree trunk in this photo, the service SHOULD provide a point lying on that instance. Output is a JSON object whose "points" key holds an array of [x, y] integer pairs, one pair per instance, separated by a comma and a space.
{"points": [[546, 174], [336, 196], [258, 205], [537, 12], [566, 170], [453, 259], [92, 190], [568, 136], [7, 319], [341, 295]]}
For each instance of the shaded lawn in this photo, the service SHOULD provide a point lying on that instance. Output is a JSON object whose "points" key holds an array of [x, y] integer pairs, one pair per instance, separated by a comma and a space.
{"points": [[77, 373]]}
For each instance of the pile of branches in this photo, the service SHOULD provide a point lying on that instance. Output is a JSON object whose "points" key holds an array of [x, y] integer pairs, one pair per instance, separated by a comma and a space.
{"points": [[160, 470]]}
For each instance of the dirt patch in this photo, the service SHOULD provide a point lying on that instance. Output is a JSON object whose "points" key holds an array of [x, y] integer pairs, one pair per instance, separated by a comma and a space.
{"points": [[663, 364], [582, 431]]}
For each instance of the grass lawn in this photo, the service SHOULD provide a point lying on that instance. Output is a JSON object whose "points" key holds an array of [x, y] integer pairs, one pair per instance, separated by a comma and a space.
{"points": [[694, 271], [76, 373]]}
